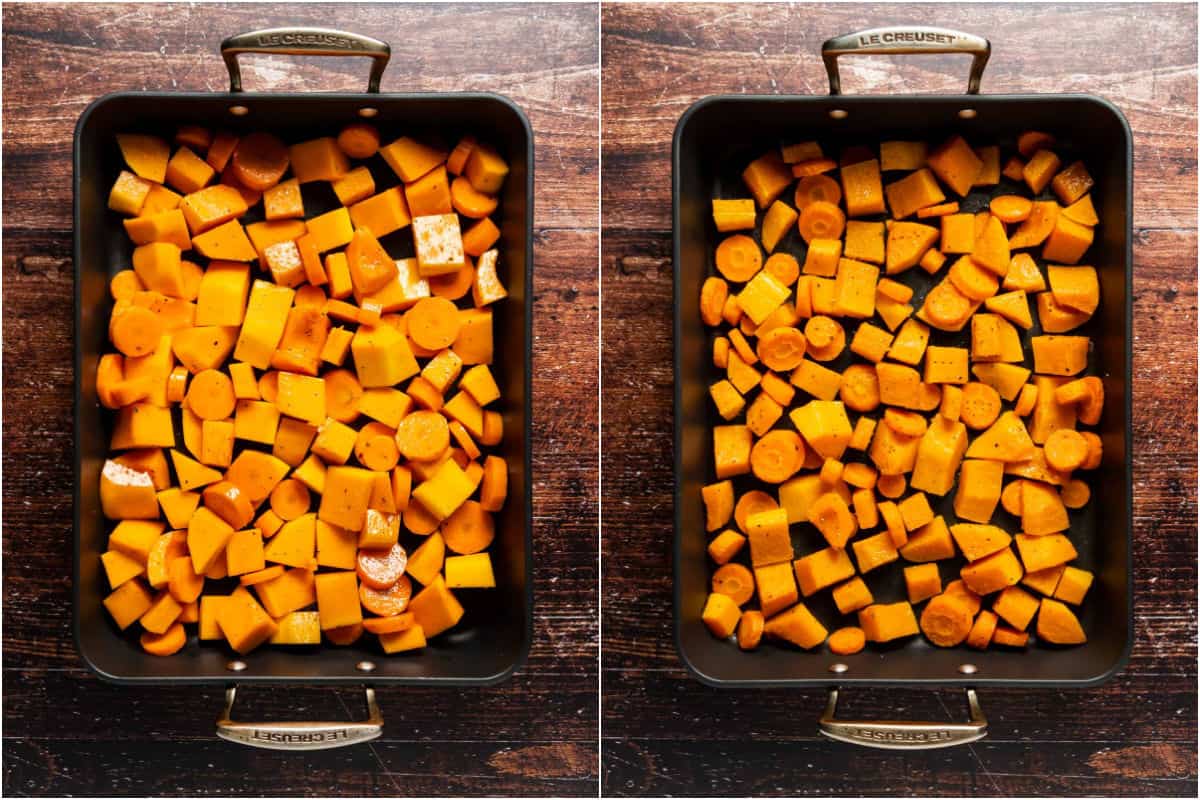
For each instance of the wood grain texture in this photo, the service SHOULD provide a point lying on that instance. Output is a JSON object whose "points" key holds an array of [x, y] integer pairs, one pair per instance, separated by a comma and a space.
{"points": [[532, 735], [666, 733]]}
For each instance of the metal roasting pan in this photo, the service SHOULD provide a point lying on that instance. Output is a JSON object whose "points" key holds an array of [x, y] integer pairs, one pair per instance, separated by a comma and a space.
{"points": [[494, 637], [714, 140]]}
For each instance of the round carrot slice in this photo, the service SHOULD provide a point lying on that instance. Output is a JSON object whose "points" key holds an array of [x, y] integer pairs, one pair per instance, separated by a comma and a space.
{"points": [[750, 630], [261, 576], [777, 456], [454, 285], [417, 520], [1030, 142], [290, 499], [211, 395], [738, 258], [1095, 450], [1026, 400], [136, 331], [395, 624], [386, 602], [859, 389], [309, 296], [905, 423], [423, 436], [358, 140], [469, 201], [343, 394], [847, 641], [946, 621], [366, 434], [469, 529], [821, 220], [379, 453], [975, 282], [1075, 494], [713, 294], [125, 284], [259, 161], [1011, 208], [268, 386], [817, 189], [891, 486], [345, 635], [380, 569], [182, 582], [433, 323], [167, 643], [946, 306], [826, 338], [782, 348], [784, 267], [1065, 450], [735, 581], [1010, 498], [751, 503], [980, 405]]}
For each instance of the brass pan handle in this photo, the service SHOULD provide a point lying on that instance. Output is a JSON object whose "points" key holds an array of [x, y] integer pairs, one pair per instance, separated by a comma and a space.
{"points": [[901, 735], [305, 42], [299, 735], [906, 40]]}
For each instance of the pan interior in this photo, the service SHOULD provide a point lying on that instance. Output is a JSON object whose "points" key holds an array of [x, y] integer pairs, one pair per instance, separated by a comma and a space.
{"points": [[493, 637], [709, 156]]}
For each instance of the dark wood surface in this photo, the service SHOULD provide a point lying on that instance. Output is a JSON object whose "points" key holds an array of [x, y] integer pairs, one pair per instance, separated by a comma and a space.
{"points": [[67, 733], [664, 732]]}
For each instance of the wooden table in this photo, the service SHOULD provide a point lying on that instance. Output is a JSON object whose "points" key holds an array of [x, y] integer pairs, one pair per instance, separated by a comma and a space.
{"points": [[66, 732], [665, 733]]}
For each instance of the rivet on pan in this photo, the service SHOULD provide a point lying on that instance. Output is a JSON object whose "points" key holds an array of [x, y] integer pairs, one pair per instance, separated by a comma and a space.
{"points": [[968, 669], [239, 111], [839, 113], [365, 666], [838, 668], [235, 666], [968, 113], [368, 112]]}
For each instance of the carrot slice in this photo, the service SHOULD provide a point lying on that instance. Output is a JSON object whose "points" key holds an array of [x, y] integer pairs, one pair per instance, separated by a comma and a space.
{"points": [[713, 294], [358, 140], [1011, 208], [167, 643], [454, 285], [817, 189], [136, 331], [1065, 450], [940, 210], [343, 394], [417, 520], [393, 624], [734, 581], [125, 284], [1030, 142], [290, 499], [261, 576], [781, 349], [268, 386], [750, 629], [386, 602], [380, 569], [1075, 493], [891, 486], [469, 201], [738, 257], [433, 323], [946, 306], [470, 529], [847, 641], [821, 220], [259, 161], [423, 436], [1010, 498], [783, 266], [751, 503], [860, 388], [777, 456], [980, 405], [182, 581], [211, 395]]}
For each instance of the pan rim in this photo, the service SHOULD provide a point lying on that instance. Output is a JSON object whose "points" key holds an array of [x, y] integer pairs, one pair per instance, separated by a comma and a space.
{"points": [[1122, 660], [521, 656]]}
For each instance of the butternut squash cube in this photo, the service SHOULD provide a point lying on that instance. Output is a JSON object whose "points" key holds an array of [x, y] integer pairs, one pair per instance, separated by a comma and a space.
{"points": [[128, 603], [822, 569], [294, 545], [1060, 355], [444, 491], [216, 442], [946, 365], [470, 572], [993, 573], [931, 542], [243, 622], [956, 164], [167, 226], [135, 538], [798, 626], [874, 551], [127, 493], [119, 567], [778, 220], [761, 296], [1015, 606], [290, 591], [979, 486], [207, 537], [225, 242], [1057, 624], [770, 540], [1068, 241], [223, 292], [721, 615], [266, 316], [298, 627], [256, 474], [435, 608], [187, 172], [734, 215], [146, 155], [854, 288], [816, 379], [330, 230], [776, 587], [207, 208], [347, 493], [382, 356], [862, 188], [411, 159], [318, 160], [244, 552], [922, 582], [439, 244], [380, 530], [486, 170], [824, 426], [852, 596], [161, 614], [913, 192], [382, 213], [883, 622], [939, 453], [725, 546]]}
